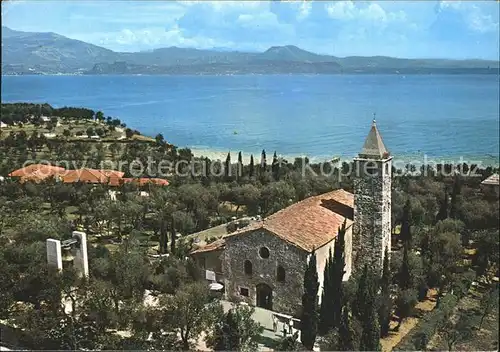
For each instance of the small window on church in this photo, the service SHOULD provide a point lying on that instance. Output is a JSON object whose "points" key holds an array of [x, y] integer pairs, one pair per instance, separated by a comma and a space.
{"points": [[244, 291], [248, 267], [264, 252], [387, 169], [280, 274]]}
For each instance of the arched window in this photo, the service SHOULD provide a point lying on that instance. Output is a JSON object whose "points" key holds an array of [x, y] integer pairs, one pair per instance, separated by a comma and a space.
{"points": [[248, 267], [387, 169], [371, 168], [264, 252], [280, 274]]}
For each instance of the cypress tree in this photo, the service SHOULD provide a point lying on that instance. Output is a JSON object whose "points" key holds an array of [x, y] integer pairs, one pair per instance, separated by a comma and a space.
{"points": [[405, 233], [172, 240], [385, 309], [263, 161], [275, 167], [370, 338], [443, 209], [309, 320], [367, 311], [347, 338], [240, 165], [455, 197], [405, 278], [251, 167], [338, 271], [331, 297], [227, 168], [326, 322], [366, 290]]}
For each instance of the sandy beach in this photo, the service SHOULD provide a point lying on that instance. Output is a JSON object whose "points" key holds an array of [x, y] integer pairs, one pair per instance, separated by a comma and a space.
{"points": [[214, 154]]}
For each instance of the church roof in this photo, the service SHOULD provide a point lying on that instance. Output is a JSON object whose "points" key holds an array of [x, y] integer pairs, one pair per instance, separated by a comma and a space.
{"points": [[217, 244], [308, 224], [374, 147]]}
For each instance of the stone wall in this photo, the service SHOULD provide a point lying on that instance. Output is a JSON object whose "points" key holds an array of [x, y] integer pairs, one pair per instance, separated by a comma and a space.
{"points": [[287, 295], [322, 254], [211, 260], [387, 208], [348, 253], [372, 213]]}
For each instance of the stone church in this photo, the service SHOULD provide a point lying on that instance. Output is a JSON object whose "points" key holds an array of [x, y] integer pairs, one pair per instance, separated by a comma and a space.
{"points": [[263, 264]]}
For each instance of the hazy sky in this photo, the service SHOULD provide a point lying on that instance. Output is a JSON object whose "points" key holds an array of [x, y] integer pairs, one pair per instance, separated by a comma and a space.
{"points": [[449, 29]]}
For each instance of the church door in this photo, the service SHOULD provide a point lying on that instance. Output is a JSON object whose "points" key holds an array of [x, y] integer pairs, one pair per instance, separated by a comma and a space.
{"points": [[264, 296]]}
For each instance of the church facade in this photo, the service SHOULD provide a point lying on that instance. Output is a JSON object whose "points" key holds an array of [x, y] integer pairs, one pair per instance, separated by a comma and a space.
{"points": [[263, 264]]}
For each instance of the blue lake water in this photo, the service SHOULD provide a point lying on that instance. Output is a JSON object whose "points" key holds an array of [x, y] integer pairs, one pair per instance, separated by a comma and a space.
{"points": [[446, 116]]}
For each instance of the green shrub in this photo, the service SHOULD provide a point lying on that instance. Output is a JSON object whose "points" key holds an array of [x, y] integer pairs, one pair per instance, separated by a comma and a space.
{"points": [[231, 227]]}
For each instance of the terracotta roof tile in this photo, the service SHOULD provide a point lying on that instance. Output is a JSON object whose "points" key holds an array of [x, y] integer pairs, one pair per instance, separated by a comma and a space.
{"points": [[311, 223], [91, 175], [38, 172], [492, 180], [112, 173], [217, 244], [41, 170], [116, 181], [143, 181]]}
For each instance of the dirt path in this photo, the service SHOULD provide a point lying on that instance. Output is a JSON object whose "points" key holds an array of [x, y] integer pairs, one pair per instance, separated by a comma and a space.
{"points": [[421, 308]]}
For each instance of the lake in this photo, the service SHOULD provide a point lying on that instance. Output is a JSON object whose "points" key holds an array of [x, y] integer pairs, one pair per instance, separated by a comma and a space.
{"points": [[321, 116]]}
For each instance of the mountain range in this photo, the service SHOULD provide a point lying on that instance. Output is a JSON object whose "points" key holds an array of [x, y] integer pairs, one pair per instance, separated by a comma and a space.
{"points": [[51, 53]]}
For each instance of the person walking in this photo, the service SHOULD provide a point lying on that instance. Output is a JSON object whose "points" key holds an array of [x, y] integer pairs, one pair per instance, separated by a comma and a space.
{"points": [[275, 323]]}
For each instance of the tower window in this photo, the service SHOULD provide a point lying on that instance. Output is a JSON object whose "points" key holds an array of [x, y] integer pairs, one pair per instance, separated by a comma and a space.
{"points": [[264, 252], [280, 274], [248, 267], [371, 168], [387, 169]]}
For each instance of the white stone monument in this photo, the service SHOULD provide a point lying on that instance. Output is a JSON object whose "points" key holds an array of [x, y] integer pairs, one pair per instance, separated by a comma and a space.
{"points": [[54, 255], [78, 244], [81, 261]]}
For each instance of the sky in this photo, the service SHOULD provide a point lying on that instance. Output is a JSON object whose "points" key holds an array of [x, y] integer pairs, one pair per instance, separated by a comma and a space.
{"points": [[411, 29]]}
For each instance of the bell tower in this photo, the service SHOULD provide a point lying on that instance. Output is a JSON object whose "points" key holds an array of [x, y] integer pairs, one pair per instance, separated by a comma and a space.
{"points": [[372, 202]]}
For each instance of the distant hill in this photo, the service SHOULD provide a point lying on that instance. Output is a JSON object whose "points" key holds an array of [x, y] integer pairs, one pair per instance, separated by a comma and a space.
{"points": [[51, 53], [293, 53]]}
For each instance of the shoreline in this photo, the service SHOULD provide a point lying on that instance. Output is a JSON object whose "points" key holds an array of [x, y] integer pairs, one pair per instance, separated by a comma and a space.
{"points": [[399, 160], [395, 72]]}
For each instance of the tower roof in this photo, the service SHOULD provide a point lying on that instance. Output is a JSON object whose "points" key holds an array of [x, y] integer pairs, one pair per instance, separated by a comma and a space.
{"points": [[374, 147]]}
